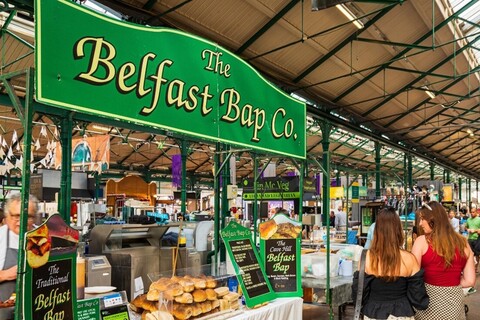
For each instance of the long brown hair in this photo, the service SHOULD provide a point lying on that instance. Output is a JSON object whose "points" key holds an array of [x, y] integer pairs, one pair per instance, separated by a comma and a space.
{"points": [[384, 254], [443, 238]]}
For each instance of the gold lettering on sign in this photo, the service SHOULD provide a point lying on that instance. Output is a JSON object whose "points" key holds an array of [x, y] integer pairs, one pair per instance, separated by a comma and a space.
{"points": [[103, 68]]}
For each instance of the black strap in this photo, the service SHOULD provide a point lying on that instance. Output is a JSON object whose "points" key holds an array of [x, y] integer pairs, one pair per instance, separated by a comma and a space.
{"points": [[361, 276]]}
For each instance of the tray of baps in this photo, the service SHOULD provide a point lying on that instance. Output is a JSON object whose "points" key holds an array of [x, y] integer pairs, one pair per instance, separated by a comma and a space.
{"points": [[186, 297]]}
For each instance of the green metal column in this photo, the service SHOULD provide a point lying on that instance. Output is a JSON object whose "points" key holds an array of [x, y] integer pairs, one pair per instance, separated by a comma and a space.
{"points": [[469, 194], [184, 156], [460, 189], [338, 182], [409, 173], [432, 171], [216, 204], [448, 176], [26, 116], [326, 128], [65, 195], [256, 175], [364, 179], [476, 191], [97, 186], [378, 147], [225, 181]]}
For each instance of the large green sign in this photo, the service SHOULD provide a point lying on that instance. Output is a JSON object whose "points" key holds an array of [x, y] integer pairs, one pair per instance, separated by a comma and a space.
{"points": [[160, 77]]}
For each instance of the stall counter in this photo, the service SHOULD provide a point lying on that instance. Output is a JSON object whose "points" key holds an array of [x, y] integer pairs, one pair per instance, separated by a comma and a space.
{"points": [[278, 309]]}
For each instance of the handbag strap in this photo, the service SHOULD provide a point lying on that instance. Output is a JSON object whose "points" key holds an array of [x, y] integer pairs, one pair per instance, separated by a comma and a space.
{"points": [[361, 276]]}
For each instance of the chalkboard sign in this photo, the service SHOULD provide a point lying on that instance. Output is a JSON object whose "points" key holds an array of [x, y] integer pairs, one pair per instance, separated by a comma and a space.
{"points": [[88, 309], [36, 185], [248, 267], [280, 247], [50, 268]]}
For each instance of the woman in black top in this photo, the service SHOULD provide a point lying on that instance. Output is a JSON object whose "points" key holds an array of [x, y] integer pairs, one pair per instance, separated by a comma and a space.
{"points": [[393, 284]]}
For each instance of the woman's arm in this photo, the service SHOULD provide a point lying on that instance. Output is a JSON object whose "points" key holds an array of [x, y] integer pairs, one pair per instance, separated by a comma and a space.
{"points": [[419, 248], [468, 276]]}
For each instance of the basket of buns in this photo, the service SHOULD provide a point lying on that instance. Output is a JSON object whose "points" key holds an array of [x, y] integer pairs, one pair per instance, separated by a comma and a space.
{"points": [[184, 297]]}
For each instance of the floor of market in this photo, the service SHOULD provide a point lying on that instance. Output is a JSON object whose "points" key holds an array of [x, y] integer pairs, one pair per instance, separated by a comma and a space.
{"points": [[316, 312]]}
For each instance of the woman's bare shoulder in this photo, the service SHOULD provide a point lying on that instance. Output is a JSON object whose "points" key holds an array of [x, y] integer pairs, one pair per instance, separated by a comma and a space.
{"points": [[410, 262]]}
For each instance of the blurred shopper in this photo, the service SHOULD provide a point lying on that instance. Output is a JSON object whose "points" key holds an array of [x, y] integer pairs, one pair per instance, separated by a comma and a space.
{"points": [[447, 261], [454, 221], [393, 284], [332, 219], [340, 219], [473, 229]]}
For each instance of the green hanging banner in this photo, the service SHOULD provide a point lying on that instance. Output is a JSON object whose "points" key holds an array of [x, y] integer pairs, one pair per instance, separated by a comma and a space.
{"points": [[162, 78], [280, 249], [50, 269], [248, 267]]}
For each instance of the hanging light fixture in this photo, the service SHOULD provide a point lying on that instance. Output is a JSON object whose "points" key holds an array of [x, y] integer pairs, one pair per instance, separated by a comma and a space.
{"points": [[349, 14], [428, 92]]}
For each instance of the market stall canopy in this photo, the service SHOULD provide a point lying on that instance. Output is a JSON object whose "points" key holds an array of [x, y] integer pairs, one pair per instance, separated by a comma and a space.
{"points": [[402, 72]]}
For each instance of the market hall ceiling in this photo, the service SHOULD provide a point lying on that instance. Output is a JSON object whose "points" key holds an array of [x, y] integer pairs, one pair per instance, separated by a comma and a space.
{"points": [[405, 73]]}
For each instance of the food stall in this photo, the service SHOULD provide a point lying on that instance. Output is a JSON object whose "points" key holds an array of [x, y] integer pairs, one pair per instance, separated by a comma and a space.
{"points": [[275, 124]]}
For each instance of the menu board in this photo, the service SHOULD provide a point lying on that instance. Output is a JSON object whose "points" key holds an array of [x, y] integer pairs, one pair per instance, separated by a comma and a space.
{"points": [[280, 247], [50, 268], [88, 309], [248, 267]]}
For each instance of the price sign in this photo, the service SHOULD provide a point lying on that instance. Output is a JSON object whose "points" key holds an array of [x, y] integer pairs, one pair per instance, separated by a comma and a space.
{"points": [[88, 309], [248, 267], [116, 313]]}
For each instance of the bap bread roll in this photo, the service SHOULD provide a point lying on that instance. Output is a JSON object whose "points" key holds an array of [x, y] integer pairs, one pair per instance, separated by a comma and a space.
{"points": [[232, 296], [224, 304], [187, 285], [196, 309], [211, 295], [199, 283], [234, 305], [182, 311], [199, 295], [174, 289], [149, 305], [161, 284], [184, 298], [206, 306], [267, 229], [211, 282], [137, 303], [221, 291], [159, 315], [153, 295], [215, 304]]}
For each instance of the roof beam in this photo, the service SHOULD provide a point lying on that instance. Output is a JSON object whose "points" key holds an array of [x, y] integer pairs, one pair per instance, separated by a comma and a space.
{"points": [[411, 83], [403, 52], [416, 80], [447, 123], [342, 44], [267, 26]]}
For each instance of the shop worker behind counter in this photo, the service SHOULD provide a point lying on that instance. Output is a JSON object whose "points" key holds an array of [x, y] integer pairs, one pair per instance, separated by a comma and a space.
{"points": [[9, 241]]}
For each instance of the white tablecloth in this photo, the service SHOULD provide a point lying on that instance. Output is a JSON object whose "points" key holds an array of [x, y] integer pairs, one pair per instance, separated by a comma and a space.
{"points": [[278, 309]]}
